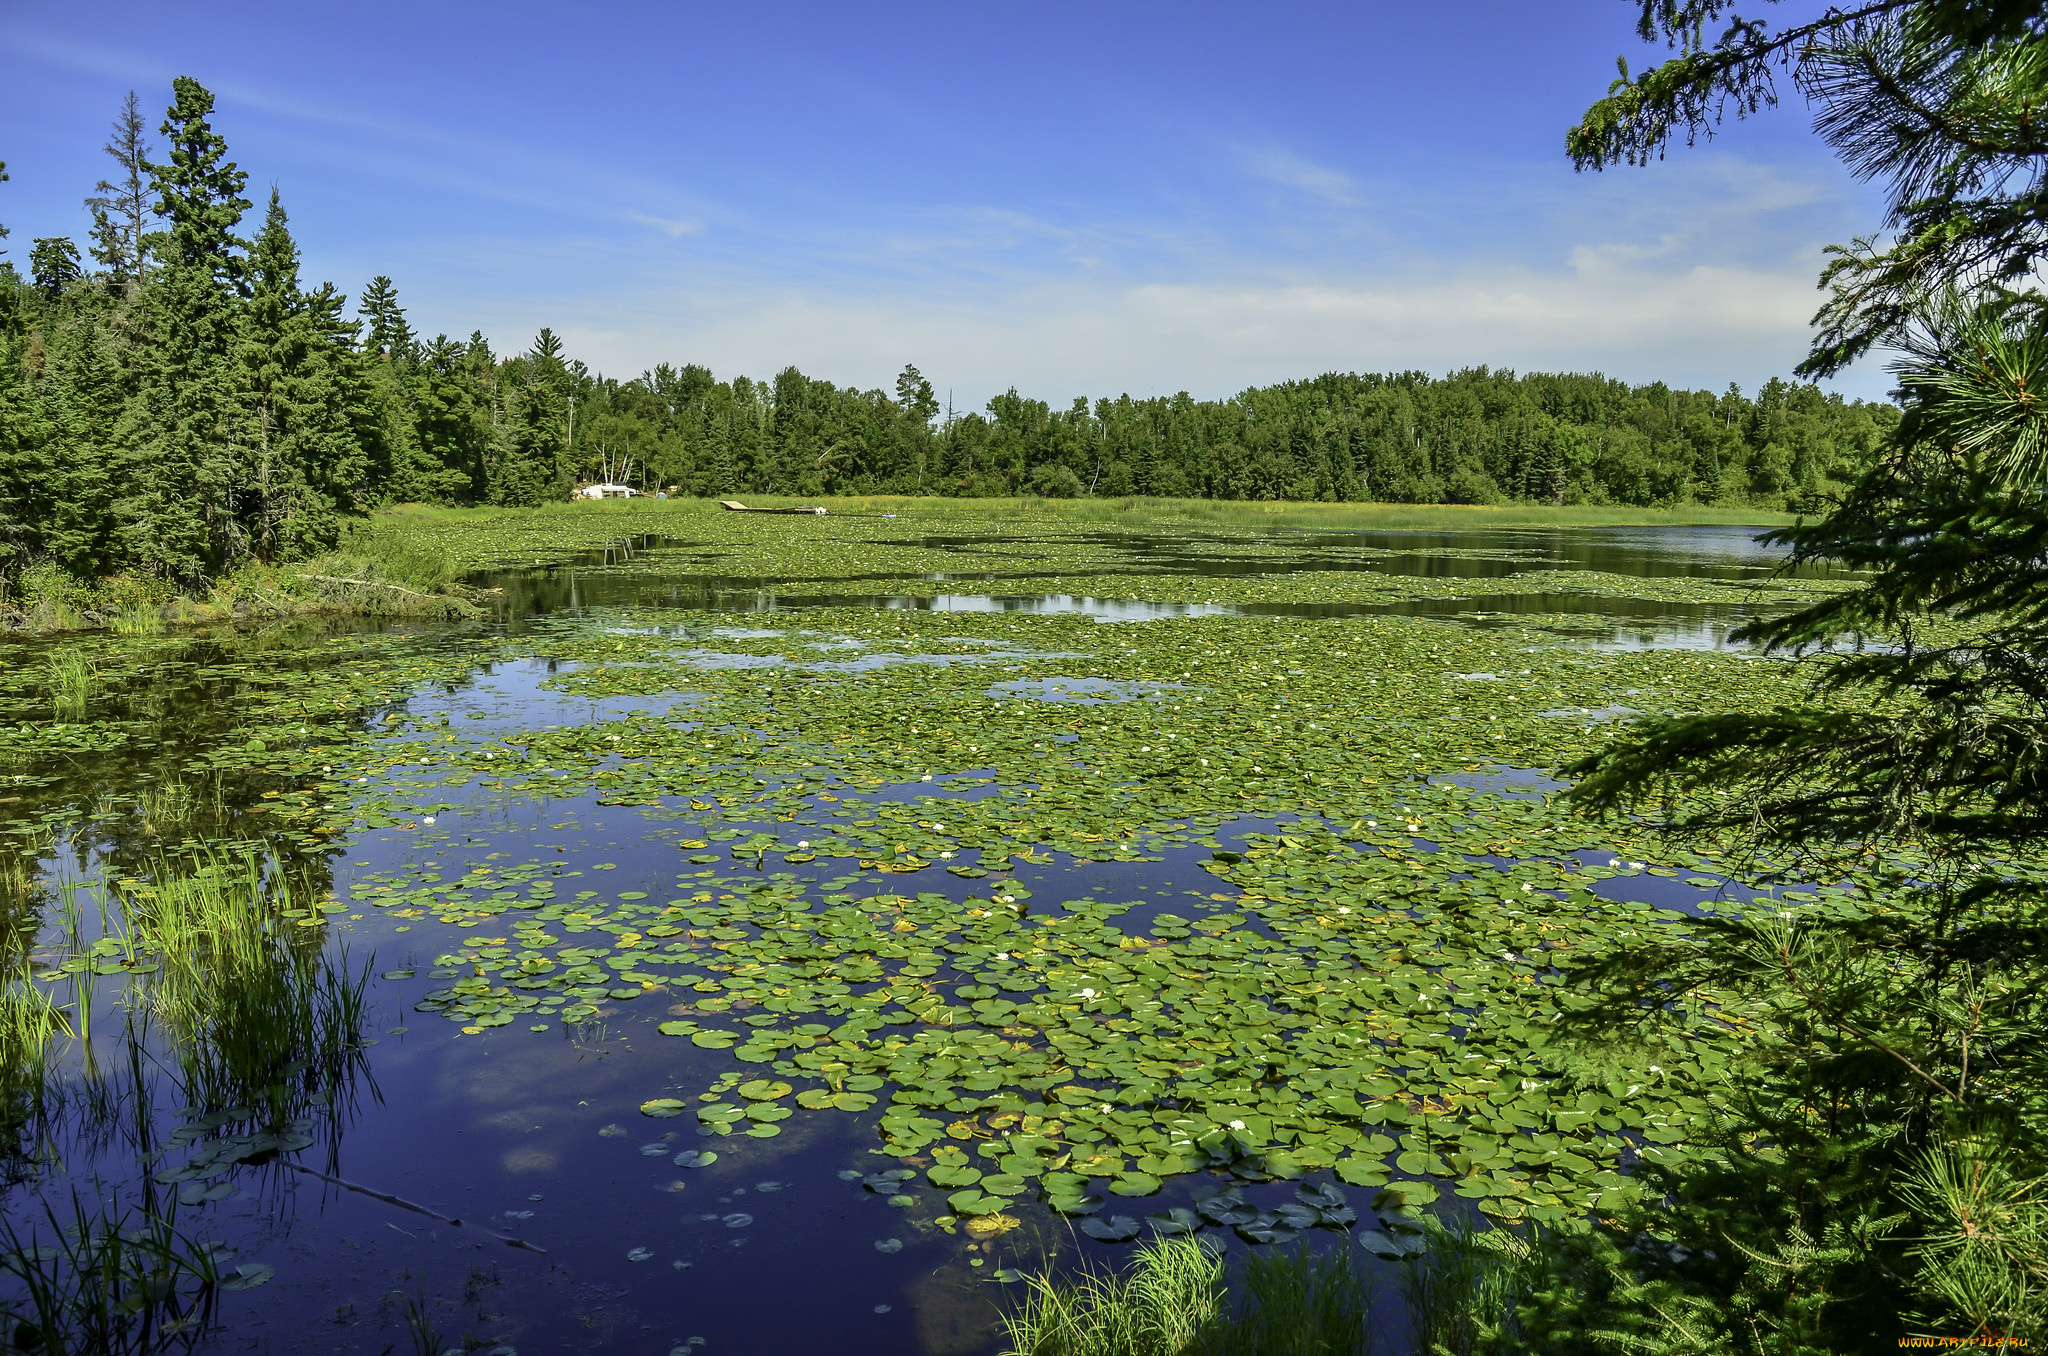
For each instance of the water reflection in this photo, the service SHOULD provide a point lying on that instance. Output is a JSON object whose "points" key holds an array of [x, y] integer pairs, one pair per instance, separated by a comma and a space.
{"points": [[665, 573]]}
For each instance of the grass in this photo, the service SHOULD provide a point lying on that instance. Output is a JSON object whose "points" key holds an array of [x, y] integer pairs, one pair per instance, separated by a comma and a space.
{"points": [[139, 620], [1459, 1293], [99, 1284], [1160, 1307], [1461, 1290], [1297, 1304], [263, 1017], [69, 676]]}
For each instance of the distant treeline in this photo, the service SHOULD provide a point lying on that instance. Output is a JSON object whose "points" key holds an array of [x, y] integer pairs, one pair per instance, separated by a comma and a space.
{"points": [[175, 402]]}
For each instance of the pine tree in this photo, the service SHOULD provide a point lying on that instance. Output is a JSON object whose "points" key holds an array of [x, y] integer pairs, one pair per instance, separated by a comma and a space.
{"points": [[1942, 98], [120, 207], [183, 462]]}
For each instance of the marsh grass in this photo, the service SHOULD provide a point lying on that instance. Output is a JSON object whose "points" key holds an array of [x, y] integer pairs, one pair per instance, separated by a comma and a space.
{"points": [[260, 1014], [1461, 1290], [1298, 1303], [1171, 1294], [172, 804], [69, 676], [30, 1021], [416, 1313], [1459, 1293], [102, 1283], [139, 620]]}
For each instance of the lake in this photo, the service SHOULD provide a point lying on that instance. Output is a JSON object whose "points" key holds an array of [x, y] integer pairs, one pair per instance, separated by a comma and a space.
{"points": [[791, 935]]}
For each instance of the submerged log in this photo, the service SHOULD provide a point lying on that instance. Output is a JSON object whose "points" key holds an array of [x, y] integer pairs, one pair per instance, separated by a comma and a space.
{"points": [[731, 506], [413, 1206]]}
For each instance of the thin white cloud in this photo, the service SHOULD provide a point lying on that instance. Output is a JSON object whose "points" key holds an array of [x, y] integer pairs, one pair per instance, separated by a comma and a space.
{"points": [[671, 229], [1696, 327], [1291, 171]]}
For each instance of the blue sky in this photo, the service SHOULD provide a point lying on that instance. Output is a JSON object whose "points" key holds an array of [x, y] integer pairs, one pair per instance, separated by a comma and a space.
{"points": [[1072, 199]]}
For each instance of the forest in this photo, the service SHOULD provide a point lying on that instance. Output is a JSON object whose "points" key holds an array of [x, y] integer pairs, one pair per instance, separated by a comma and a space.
{"points": [[175, 402]]}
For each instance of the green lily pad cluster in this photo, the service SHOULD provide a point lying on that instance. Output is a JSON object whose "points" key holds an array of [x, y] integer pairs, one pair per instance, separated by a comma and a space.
{"points": [[1366, 985]]}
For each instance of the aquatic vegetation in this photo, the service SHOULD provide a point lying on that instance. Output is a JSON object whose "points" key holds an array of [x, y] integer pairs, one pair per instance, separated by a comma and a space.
{"points": [[1363, 981], [1055, 915], [109, 1282], [139, 620], [1462, 1285], [1299, 1302], [69, 676], [1172, 1299], [1159, 1306]]}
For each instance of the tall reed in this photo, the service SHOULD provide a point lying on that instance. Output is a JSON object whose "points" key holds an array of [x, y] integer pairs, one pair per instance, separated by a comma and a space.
{"points": [[1461, 1290], [1160, 1307], [69, 676], [102, 1283], [257, 1011], [1298, 1303]]}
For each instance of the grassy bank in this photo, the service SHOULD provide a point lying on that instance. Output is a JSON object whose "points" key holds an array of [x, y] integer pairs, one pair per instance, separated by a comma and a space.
{"points": [[372, 574]]}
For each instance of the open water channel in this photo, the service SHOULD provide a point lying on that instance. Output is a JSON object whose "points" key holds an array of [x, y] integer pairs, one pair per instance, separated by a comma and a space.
{"points": [[334, 1174]]}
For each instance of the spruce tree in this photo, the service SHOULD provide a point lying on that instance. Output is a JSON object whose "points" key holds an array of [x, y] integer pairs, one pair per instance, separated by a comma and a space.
{"points": [[54, 263], [120, 206], [304, 460], [384, 328], [183, 463], [25, 483], [84, 391]]}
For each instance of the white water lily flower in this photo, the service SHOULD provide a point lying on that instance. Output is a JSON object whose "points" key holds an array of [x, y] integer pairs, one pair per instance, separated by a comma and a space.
{"points": [[804, 843], [1342, 909], [1107, 1108], [1635, 866], [1002, 955], [1237, 1125], [1372, 823], [938, 828], [1205, 762], [1528, 887], [428, 820], [927, 777], [945, 856], [1085, 993]]}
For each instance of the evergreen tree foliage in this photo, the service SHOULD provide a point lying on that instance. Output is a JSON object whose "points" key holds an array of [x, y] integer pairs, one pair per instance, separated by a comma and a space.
{"points": [[85, 391], [384, 329], [190, 404], [306, 466], [120, 207], [54, 263], [1880, 1172], [185, 460], [1940, 99]]}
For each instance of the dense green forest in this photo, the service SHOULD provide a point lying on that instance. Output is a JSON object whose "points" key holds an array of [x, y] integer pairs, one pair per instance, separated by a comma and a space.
{"points": [[175, 401]]}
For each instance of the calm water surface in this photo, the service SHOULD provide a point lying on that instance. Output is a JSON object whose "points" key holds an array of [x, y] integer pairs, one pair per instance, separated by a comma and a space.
{"points": [[537, 1136]]}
